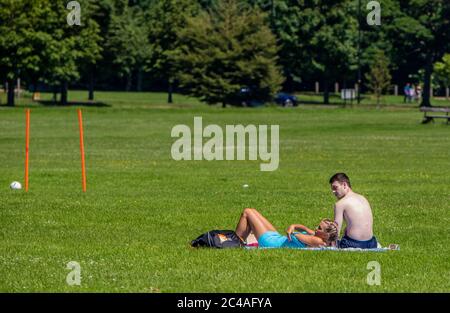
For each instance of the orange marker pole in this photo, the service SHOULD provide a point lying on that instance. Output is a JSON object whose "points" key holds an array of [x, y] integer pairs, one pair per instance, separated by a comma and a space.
{"points": [[27, 145], [83, 167]]}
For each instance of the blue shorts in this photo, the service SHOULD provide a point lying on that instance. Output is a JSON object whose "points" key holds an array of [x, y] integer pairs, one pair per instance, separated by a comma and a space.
{"points": [[273, 239], [347, 242]]}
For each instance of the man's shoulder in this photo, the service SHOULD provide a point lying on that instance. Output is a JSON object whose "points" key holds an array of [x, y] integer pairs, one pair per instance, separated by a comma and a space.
{"points": [[360, 197], [350, 199], [356, 201], [341, 203]]}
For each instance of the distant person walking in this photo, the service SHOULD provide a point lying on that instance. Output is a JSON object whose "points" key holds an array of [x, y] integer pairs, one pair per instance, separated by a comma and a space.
{"points": [[419, 92], [407, 93], [412, 93]]}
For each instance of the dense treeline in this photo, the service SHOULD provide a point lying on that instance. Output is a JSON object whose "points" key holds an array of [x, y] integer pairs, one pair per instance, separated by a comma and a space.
{"points": [[212, 48]]}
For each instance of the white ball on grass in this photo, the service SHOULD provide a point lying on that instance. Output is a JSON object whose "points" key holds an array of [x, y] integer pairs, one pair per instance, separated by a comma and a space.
{"points": [[15, 185], [245, 185]]}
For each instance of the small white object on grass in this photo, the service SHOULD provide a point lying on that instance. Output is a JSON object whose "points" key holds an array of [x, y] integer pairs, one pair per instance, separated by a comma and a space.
{"points": [[15, 185], [245, 185]]}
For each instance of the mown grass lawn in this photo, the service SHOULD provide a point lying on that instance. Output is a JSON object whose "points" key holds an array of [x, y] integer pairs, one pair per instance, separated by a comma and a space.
{"points": [[131, 231]]}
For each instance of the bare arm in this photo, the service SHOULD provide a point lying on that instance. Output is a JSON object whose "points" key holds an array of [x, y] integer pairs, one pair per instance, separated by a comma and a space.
{"points": [[311, 241], [339, 216], [300, 227]]}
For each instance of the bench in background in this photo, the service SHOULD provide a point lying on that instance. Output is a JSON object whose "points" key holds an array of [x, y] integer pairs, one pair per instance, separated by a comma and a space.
{"points": [[430, 113]]}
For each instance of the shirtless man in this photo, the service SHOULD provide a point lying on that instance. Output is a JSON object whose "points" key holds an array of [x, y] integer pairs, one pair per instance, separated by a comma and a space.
{"points": [[355, 210]]}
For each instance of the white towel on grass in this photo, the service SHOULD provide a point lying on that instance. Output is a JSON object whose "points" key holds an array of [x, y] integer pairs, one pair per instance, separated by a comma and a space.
{"points": [[378, 249]]}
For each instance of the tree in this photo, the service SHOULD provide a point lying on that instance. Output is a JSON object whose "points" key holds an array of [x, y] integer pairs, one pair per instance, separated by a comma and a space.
{"points": [[333, 46], [291, 22], [86, 42], [100, 11], [165, 19], [379, 78], [442, 71], [227, 48], [423, 33], [128, 42], [69, 46], [18, 40], [384, 37], [318, 39]]}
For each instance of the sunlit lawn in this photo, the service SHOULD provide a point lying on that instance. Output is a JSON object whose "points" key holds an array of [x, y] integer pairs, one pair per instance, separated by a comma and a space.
{"points": [[131, 230]]}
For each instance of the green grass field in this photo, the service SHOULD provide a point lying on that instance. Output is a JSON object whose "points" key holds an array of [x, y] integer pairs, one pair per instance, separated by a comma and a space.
{"points": [[131, 231], [157, 99]]}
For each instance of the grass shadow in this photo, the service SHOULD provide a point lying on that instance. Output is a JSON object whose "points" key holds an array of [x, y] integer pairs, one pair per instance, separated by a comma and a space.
{"points": [[320, 103], [74, 103]]}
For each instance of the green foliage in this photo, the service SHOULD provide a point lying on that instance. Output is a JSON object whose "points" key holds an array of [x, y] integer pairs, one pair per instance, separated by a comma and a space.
{"points": [[68, 47], [318, 38], [165, 19], [291, 21], [379, 78], [384, 37], [227, 48], [36, 41], [127, 41], [333, 44], [130, 232], [442, 71], [19, 36], [423, 34], [89, 38]]}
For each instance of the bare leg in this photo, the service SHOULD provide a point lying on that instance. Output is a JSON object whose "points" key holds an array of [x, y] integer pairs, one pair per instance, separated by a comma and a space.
{"points": [[252, 221], [243, 228], [264, 220]]}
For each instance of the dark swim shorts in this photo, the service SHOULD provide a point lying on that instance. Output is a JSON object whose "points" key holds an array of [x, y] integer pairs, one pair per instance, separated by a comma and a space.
{"points": [[347, 242]]}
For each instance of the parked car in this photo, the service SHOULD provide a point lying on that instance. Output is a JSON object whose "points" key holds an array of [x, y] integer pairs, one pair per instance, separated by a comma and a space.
{"points": [[286, 100], [247, 98]]}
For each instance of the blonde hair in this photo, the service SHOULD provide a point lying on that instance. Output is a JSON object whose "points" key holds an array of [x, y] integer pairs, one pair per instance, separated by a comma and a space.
{"points": [[331, 230]]}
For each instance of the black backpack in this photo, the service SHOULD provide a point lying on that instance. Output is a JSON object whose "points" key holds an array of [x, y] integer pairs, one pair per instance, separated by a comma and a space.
{"points": [[218, 239]]}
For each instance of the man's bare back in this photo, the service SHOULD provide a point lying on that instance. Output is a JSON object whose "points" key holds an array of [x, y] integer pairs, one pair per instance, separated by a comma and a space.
{"points": [[355, 210]]}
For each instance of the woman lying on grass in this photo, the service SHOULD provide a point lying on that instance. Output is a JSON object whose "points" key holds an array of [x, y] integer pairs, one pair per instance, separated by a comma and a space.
{"points": [[252, 221]]}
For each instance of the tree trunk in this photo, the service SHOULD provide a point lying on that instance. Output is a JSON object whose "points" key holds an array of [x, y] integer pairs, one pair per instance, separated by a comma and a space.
{"points": [[139, 80], [64, 93], [91, 85], [128, 86], [169, 98], [35, 82], [34, 90], [427, 81], [326, 92], [55, 94], [289, 83], [10, 92]]}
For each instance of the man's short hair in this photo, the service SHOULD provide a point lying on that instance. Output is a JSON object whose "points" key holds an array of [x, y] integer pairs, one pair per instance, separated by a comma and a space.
{"points": [[340, 177]]}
